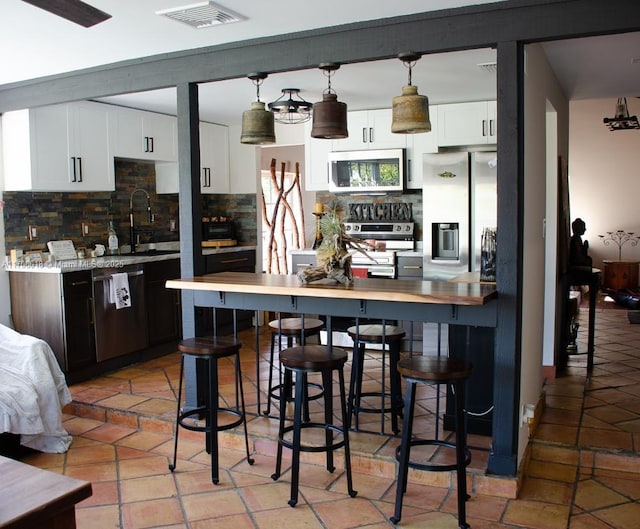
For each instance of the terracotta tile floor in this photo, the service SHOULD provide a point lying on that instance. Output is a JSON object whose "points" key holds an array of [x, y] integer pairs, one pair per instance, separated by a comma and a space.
{"points": [[583, 471]]}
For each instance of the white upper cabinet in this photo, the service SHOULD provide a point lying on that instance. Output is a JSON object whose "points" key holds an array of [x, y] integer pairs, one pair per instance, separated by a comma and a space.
{"points": [[370, 129], [467, 124], [142, 135], [417, 145], [58, 148], [214, 158], [214, 163], [316, 161]]}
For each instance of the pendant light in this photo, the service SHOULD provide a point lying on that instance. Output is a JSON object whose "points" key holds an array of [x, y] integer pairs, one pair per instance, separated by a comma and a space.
{"points": [[257, 123], [622, 120], [292, 109], [329, 115], [410, 111]]}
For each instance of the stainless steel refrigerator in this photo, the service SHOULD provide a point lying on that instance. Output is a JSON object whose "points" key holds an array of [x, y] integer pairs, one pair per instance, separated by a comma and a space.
{"points": [[459, 198]]}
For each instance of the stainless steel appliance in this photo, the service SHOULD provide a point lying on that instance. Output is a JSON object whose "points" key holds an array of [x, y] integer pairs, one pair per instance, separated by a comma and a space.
{"points": [[380, 263], [395, 235], [218, 229], [373, 171], [124, 330], [459, 199]]}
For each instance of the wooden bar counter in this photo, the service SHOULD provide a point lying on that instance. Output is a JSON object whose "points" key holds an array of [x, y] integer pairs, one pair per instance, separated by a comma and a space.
{"points": [[412, 300]]}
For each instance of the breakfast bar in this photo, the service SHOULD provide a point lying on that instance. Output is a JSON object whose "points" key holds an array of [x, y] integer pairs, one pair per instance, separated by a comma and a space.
{"points": [[412, 300], [454, 303]]}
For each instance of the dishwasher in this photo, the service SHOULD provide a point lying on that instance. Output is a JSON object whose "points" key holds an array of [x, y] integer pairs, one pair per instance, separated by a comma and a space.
{"points": [[123, 330]]}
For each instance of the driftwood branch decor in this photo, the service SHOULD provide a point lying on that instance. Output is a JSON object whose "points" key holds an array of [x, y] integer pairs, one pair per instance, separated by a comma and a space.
{"points": [[332, 256], [283, 215]]}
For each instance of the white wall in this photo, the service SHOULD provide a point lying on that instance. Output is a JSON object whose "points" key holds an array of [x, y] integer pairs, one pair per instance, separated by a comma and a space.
{"points": [[541, 90], [5, 300], [604, 176]]}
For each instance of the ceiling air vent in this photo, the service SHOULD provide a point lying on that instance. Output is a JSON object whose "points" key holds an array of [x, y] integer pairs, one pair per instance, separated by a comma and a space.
{"points": [[202, 14]]}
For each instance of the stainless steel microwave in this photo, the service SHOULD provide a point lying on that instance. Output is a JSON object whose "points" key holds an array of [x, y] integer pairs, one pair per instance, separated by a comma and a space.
{"points": [[374, 171]]}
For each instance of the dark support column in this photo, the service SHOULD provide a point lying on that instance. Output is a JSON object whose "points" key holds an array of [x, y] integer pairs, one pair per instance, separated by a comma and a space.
{"points": [[191, 260], [503, 457]]}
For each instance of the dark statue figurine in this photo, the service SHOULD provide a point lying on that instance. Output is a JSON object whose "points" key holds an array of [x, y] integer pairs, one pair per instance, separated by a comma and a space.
{"points": [[579, 249]]}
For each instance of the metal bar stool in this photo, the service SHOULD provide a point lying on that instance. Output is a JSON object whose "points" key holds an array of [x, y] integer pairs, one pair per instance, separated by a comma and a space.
{"points": [[313, 359], [386, 335], [290, 328], [434, 370], [209, 350]]}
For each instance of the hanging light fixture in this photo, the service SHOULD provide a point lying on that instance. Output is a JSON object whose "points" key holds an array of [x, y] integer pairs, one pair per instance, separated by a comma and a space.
{"points": [[257, 122], [410, 111], [622, 121], [329, 115], [292, 109]]}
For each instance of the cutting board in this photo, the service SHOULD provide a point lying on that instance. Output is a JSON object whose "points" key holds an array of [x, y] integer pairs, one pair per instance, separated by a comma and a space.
{"points": [[220, 243]]}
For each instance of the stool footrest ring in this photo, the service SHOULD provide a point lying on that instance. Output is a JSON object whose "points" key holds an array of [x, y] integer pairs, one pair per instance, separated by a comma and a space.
{"points": [[202, 410], [310, 448], [434, 467]]}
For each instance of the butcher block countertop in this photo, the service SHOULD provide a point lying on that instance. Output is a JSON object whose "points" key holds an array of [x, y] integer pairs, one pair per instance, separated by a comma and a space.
{"points": [[416, 291]]}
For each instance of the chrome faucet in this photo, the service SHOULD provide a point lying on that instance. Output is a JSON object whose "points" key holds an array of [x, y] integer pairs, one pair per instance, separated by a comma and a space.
{"points": [[132, 231]]}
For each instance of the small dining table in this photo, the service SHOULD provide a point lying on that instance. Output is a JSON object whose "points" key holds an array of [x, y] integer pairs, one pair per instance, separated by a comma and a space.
{"points": [[455, 303]]}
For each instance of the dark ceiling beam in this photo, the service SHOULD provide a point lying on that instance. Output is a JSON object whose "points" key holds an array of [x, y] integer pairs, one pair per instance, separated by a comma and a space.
{"points": [[431, 32]]}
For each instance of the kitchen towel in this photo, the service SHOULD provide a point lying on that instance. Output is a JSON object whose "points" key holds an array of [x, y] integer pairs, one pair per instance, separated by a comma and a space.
{"points": [[120, 293]]}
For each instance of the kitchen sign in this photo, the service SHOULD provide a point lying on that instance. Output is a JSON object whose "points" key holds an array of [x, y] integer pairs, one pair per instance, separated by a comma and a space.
{"points": [[387, 211]]}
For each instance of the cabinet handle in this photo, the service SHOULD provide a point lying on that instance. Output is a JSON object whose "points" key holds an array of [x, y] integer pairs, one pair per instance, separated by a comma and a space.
{"points": [[371, 135], [412, 267], [73, 169], [146, 144], [78, 283], [204, 177], [364, 134], [484, 127], [491, 131], [208, 176], [79, 169], [238, 260], [91, 308], [152, 146]]}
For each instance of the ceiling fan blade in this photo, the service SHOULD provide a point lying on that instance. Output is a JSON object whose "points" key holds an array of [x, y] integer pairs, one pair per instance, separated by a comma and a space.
{"points": [[73, 10]]}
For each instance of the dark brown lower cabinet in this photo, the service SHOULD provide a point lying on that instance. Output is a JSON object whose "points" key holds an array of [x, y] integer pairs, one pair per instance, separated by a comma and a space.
{"points": [[240, 261], [56, 308], [164, 315]]}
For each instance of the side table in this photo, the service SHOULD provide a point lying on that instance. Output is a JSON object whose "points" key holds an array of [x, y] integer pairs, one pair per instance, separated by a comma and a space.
{"points": [[621, 274]]}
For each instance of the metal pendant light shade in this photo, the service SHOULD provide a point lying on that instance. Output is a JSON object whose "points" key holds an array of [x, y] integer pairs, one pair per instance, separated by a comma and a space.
{"points": [[258, 126], [410, 111], [329, 115], [329, 118]]}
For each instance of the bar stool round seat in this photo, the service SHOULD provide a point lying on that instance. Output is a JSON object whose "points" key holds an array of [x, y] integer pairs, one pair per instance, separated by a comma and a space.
{"points": [[209, 350], [298, 329], [313, 359], [434, 370], [386, 335]]}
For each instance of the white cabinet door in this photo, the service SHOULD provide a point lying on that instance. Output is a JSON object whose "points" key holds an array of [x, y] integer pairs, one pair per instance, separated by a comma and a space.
{"points": [[58, 148], [159, 137], [90, 151], [145, 135], [467, 124], [214, 158], [214, 163], [316, 161], [417, 145], [370, 129]]}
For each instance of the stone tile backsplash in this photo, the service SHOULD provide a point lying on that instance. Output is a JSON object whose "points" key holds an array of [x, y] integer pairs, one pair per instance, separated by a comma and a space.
{"points": [[61, 215]]}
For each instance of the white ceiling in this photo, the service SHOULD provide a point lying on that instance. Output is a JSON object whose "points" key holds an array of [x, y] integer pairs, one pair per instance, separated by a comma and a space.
{"points": [[35, 43]]}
